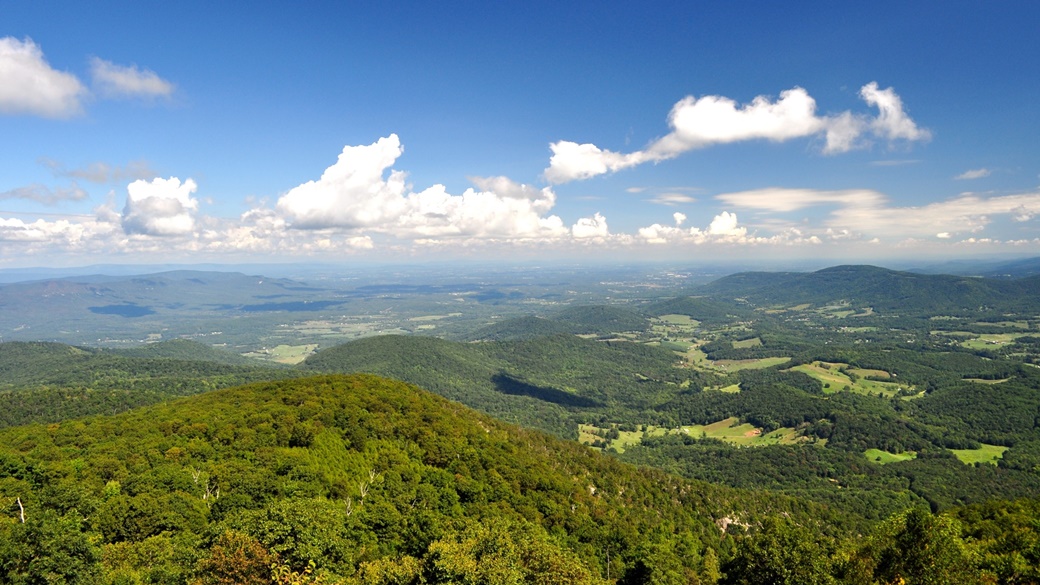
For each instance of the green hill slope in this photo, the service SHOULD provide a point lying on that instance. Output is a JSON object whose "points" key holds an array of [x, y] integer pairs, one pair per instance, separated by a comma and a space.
{"points": [[580, 320], [356, 475], [601, 319], [702, 309], [519, 328], [548, 383], [457, 371]]}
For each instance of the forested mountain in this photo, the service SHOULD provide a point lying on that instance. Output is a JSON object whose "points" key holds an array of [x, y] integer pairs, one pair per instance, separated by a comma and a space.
{"points": [[363, 480], [601, 319], [360, 476], [579, 320], [703, 309], [882, 289], [519, 328]]}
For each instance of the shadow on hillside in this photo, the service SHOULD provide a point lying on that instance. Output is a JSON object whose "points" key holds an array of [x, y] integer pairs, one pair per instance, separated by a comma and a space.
{"points": [[509, 385]]}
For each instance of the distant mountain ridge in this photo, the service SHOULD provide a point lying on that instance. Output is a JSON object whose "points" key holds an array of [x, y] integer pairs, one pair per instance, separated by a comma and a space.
{"points": [[576, 320], [48, 382], [876, 287]]}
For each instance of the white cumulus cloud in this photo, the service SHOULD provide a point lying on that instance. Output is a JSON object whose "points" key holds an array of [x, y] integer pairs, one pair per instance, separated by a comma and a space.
{"points": [[710, 120], [362, 192], [351, 193], [892, 122], [115, 81], [725, 225], [28, 84], [74, 234], [572, 161], [160, 207], [724, 228], [591, 227]]}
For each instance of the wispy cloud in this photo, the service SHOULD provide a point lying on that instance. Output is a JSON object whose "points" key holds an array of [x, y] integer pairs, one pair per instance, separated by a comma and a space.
{"points": [[100, 172], [973, 174], [119, 81], [710, 120], [895, 162], [780, 200], [868, 212], [46, 195], [672, 199], [29, 85]]}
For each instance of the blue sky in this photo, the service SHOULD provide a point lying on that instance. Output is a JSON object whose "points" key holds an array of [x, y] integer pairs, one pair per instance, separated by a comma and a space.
{"points": [[210, 132]]}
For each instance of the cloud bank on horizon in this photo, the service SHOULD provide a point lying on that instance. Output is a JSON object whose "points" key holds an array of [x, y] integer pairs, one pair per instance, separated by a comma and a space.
{"points": [[363, 203]]}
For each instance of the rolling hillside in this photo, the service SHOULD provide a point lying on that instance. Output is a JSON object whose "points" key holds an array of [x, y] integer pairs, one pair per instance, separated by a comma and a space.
{"points": [[542, 383]]}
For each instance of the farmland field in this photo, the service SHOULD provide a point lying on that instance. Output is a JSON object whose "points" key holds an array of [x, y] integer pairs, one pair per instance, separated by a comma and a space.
{"points": [[986, 454], [737, 365], [883, 457]]}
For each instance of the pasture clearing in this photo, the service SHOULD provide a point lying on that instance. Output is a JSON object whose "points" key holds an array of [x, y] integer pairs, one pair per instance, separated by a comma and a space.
{"points": [[696, 358], [836, 376], [732, 431], [989, 454], [989, 340], [731, 389], [679, 320], [284, 354], [963, 334], [589, 434], [729, 430], [737, 365], [884, 457], [1009, 324], [434, 317]]}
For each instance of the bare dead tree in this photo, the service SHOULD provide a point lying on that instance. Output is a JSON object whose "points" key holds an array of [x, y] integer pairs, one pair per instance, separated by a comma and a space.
{"points": [[211, 494], [21, 509]]}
